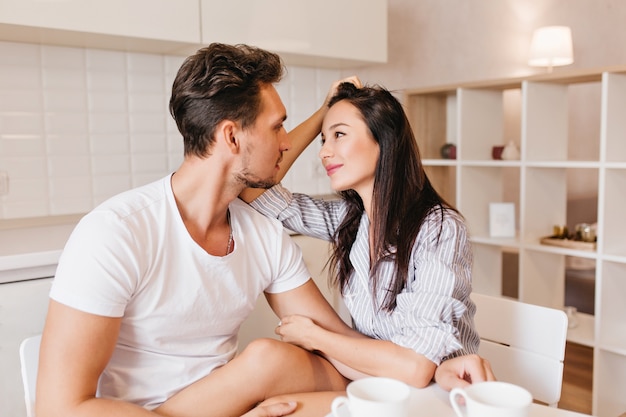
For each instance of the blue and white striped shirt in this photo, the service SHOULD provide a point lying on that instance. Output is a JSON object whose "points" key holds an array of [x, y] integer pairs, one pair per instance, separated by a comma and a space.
{"points": [[434, 313]]}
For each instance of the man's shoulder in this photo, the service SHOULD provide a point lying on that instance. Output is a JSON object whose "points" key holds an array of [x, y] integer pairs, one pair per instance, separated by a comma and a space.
{"points": [[252, 222]]}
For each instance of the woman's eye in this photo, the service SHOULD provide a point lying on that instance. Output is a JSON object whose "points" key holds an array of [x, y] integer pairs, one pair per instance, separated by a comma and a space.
{"points": [[339, 134]]}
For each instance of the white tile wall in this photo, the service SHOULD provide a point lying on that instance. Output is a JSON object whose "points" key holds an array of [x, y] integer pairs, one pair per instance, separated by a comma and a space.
{"points": [[80, 125]]}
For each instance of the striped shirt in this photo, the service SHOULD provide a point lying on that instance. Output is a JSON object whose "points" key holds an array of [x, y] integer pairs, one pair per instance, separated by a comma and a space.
{"points": [[434, 313]]}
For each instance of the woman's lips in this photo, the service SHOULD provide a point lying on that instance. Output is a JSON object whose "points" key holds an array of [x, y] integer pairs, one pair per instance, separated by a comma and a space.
{"points": [[330, 169]]}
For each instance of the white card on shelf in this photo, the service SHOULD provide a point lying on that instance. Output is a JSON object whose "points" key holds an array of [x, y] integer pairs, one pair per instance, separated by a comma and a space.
{"points": [[502, 219]]}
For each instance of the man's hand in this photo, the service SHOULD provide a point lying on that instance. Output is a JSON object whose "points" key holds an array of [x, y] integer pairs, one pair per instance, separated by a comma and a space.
{"points": [[272, 410], [462, 371]]}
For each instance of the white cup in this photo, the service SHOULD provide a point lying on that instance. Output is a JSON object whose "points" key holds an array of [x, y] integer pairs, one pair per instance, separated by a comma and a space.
{"points": [[374, 397], [491, 399]]}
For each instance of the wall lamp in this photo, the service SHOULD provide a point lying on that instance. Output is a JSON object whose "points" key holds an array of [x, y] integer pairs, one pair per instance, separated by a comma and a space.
{"points": [[551, 46]]}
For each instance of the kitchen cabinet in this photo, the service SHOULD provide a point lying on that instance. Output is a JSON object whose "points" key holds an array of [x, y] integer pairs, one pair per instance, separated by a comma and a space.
{"points": [[23, 307], [310, 33], [476, 117], [324, 33], [263, 321], [141, 25]]}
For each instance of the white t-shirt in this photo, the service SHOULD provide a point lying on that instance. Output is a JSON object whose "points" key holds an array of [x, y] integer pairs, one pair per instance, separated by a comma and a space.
{"points": [[132, 257]]}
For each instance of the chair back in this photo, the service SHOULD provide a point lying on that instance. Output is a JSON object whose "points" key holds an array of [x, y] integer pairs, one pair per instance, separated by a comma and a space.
{"points": [[29, 361], [525, 344]]}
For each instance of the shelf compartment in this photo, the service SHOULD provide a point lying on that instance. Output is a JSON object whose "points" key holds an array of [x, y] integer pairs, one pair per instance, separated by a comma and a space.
{"points": [[487, 269], [612, 306], [559, 114], [545, 202], [480, 186], [443, 179], [542, 278], [614, 120], [557, 197], [480, 123], [613, 230], [609, 382], [544, 120], [428, 115]]}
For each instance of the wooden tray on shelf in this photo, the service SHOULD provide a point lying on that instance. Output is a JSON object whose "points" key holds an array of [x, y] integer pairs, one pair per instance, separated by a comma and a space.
{"points": [[568, 243]]}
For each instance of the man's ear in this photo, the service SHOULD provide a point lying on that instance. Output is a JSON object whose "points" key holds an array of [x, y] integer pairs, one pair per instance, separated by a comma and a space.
{"points": [[228, 132]]}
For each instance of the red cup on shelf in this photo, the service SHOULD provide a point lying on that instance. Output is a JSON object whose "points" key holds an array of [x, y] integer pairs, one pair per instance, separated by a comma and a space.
{"points": [[496, 152]]}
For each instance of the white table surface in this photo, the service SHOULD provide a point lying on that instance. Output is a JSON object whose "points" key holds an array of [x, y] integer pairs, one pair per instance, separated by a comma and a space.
{"points": [[433, 401]]}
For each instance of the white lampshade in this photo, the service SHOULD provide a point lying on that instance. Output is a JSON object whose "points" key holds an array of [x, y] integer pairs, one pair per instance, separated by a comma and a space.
{"points": [[551, 46]]}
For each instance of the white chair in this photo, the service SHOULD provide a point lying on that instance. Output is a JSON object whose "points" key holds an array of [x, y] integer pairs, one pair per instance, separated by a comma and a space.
{"points": [[524, 343], [29, 360]]}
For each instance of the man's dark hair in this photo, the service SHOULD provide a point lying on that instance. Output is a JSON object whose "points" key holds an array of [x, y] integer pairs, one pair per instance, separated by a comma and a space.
{"points": [[220, 82]]}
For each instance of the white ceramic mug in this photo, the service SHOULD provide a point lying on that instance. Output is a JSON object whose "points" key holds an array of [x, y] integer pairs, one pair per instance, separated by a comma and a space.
{"points": [[491, 399], [374, 397]]}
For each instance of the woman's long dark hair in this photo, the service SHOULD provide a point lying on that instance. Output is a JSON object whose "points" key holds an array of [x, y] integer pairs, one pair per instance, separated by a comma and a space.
{"points": [[402, 198]]}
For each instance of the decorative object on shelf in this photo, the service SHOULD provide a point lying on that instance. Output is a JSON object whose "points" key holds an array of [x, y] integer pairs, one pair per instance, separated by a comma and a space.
{"points": [[510, 152], [560, 232], [551, 46], [572, 319], [496, 152], [448, 151], [502, 220], [583, 239], [585, 232], [568, 243]]}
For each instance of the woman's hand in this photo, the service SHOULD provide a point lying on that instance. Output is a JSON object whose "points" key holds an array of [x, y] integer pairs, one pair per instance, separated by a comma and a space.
{"points": [[333, 88], [462, 371], [297, 330]]}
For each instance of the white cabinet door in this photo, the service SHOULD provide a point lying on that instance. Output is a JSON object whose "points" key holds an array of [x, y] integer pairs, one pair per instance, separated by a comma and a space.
{"points": [[168, 20], [23, 307], [263, 321], [312, 33]]}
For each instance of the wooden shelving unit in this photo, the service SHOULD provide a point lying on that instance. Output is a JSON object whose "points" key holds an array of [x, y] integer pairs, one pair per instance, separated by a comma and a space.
{"points": [[537, 112]]}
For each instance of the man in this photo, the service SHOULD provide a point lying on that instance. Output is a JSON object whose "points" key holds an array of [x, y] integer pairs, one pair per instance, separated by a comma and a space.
{"points": [[153, 284]]}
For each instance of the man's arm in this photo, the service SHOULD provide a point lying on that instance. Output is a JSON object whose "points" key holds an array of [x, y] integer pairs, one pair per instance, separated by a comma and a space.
{"points": [[75, 349], [307, 300]]}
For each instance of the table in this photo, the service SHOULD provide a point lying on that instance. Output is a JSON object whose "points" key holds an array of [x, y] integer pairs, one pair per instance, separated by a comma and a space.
{"points": [[433, 401]]}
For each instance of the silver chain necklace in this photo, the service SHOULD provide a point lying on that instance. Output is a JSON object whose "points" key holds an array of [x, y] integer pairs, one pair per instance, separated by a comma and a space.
{"points": [[230, 235]]}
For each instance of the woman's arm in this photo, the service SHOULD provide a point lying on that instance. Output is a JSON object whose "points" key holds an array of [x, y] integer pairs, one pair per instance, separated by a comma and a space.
{"points": [[301, 137], [358, 355]]}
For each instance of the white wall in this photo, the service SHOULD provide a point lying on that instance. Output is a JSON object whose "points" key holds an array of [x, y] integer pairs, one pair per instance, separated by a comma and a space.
{"points": [[80, 125], [435, 42], [445, 42]]}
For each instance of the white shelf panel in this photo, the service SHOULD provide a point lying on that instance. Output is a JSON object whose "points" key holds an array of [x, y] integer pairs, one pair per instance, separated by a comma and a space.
{"points": [[615, 165], [616, 349], [614, 258], [563, 164], [490, 163], [439, 162], [497, 241], [562, 251]]}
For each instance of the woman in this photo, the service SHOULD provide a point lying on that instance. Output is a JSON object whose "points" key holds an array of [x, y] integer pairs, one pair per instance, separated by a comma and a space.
{"points": [[401, 254]]}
